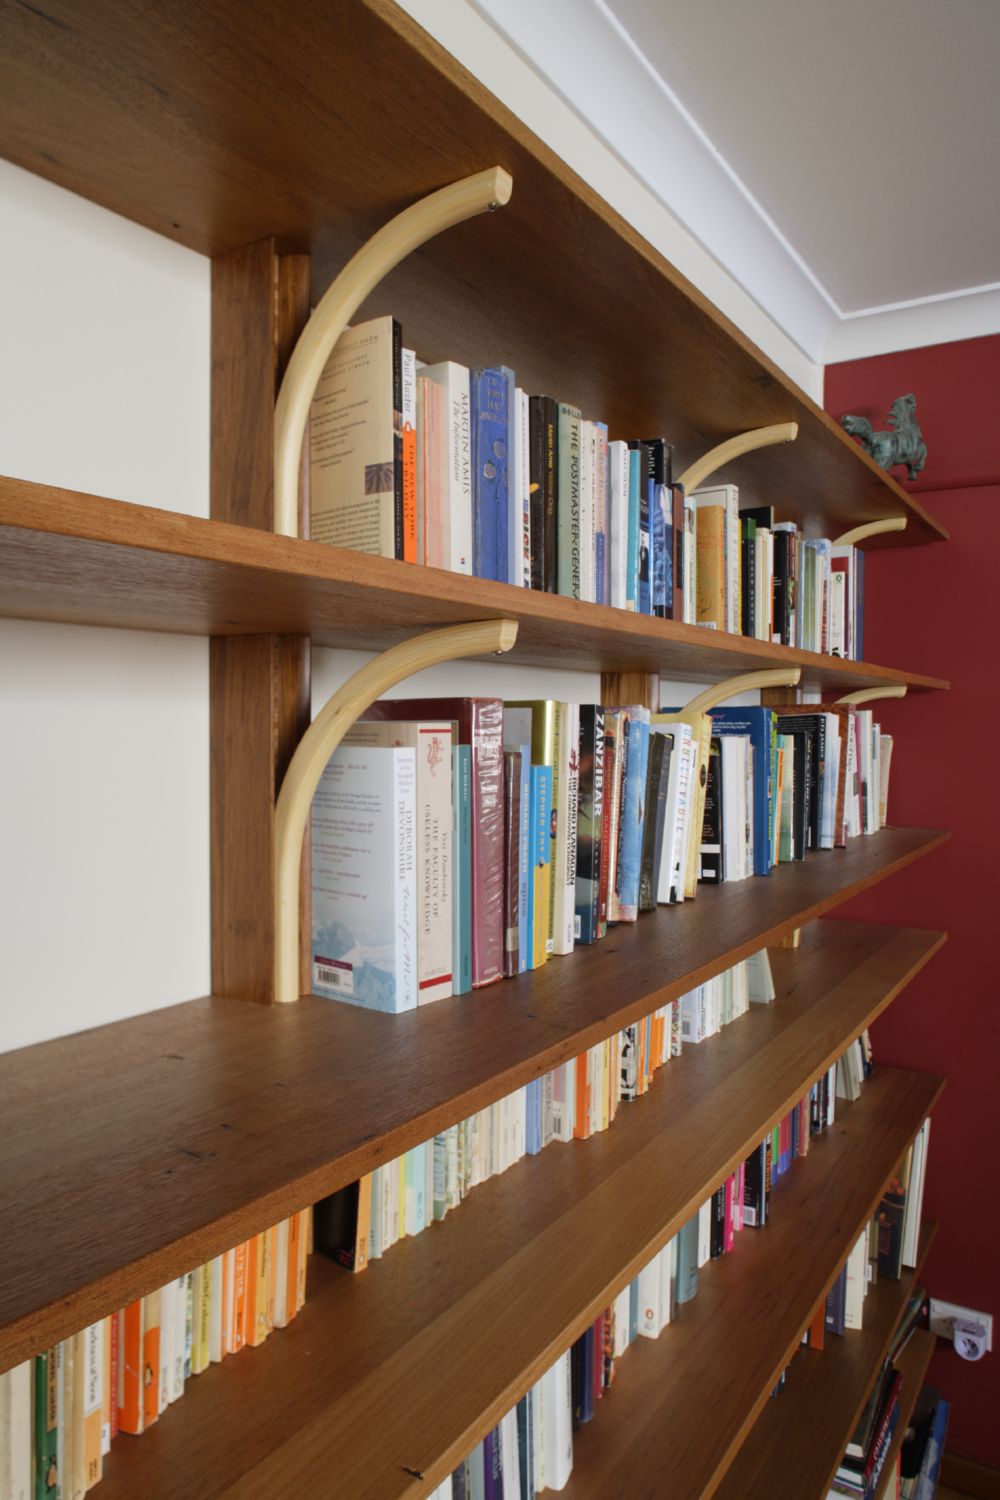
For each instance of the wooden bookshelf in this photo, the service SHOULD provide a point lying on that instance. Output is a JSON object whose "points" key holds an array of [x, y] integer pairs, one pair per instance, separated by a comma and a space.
{"points": [[805, 1430], [221, 1118], [181, 1132], [527, 1262], [85, 560], [156, 113], [913, 1365]]}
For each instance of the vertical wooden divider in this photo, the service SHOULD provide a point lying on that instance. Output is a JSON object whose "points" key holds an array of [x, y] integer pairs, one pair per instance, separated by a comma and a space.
{"points": [[631, 687], [259, 685]]}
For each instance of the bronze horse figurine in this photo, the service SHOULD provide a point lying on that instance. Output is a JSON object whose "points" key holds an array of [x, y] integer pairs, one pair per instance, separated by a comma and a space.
{"points": [[904, 444]]}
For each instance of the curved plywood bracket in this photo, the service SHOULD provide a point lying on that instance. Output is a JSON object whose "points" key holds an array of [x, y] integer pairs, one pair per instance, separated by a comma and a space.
{"points": [[321, 740], [409, 229], [871, 528], [735, 447], [696, 712], [871, 695]]}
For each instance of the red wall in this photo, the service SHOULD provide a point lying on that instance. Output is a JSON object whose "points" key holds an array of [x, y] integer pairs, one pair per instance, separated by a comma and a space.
{"points": [[935, 609]]}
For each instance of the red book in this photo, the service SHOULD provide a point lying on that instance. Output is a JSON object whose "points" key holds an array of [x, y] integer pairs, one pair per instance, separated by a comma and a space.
{"points": [[479, 725]]}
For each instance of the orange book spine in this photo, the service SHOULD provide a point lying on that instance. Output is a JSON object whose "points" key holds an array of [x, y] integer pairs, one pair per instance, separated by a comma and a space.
{"points": [[581, 1124], [409, 493], [305, 1247], [151, 1358], [710, 576], [272, 1270], [239, 1293], [130, 1353], [227, 1302], [250, 1304], [257, 1330], [817, 1327]]}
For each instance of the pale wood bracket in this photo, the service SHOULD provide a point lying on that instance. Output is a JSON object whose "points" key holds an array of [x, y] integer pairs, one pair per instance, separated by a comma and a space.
{"points": [[871, 528], [413, 227], [321, 740], [871, 695], [735, 447], [697, 713]]}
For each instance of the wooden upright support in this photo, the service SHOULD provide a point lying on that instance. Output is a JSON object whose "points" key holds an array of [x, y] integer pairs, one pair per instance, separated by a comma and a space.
{"points": [[259, 685]]}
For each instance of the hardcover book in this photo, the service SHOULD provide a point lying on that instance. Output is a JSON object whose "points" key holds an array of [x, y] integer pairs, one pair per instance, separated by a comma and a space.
{"points": [[448, 503], [489, 392]]}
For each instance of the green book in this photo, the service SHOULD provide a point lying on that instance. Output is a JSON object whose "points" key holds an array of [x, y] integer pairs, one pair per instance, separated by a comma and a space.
{"points": [[46, 1422]]}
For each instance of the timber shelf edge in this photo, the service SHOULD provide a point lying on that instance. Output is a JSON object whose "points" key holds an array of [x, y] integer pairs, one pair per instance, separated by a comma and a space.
{"points": [[224, 1116], [82, 559]]}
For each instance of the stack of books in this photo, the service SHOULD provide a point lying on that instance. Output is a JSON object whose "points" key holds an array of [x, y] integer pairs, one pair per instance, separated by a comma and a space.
{"points": [[60, 1411], [456, 841], [461, 469]]}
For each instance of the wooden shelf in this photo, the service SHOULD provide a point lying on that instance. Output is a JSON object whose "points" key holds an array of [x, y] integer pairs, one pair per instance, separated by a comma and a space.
{"points": [[156, 112], [82, 559], [913, 1365], [806, 1429], [221, 1117], [526, 1263], [683, 1405]]}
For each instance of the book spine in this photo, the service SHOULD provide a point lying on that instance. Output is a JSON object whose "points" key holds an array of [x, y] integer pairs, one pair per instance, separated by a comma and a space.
{"points": [[397, 438], [588, 460], [633, 482], [568, 502], [512, 873], [590, 823], [459, 470], [524, 863], [679, 548], [633, 795], [644, 596], [602, 524], [408, 452], [513, 563], [524, 482], [462, 867], [488, 393], [485, 735], [565, 802], [541, 799]]}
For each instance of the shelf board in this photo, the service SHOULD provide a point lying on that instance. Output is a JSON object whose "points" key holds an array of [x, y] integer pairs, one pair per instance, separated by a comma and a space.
{"points": [[527, 1262], [805, 1430], [725, 1352], [156, 113], [83, 559], [221, 1117]]}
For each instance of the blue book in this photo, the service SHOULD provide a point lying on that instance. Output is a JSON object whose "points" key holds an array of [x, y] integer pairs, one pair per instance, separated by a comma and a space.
{"points": [[533, 1117], [644, 593], [633, 797], [492, 1466], [461, 906], [601, 517], [490, 473], [539, 853], [515, 500], [632, 556], [758, 724], [524, 876]]}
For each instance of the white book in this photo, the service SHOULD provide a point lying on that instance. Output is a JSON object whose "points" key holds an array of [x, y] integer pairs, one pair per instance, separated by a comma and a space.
{"points": [[617, 523], [509, 1463], [432, 743], [352, 466], [168, 1342], [668, 1276], [588, 476], [760, 981], [515, 499], [215, 1350], [915, 1196], [854, 1294], [538, 1434], [364, 879], [690, 563], [733, 807], [831, 780], [649, 1324], [838, 614], [564, 863], [449, 513], [705, 1233], [622, 1312], [557, 1424], [16, 1433]]}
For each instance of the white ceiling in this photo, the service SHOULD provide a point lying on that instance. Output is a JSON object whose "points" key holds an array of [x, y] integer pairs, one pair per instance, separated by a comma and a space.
{"points": [[841, 159]]}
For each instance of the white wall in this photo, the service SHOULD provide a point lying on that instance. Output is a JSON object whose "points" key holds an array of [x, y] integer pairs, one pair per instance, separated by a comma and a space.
{"points": [[104, 870]]}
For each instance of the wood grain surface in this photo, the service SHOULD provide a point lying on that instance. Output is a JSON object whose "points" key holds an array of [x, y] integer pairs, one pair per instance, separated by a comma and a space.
{"points": [[258, 684], [81, 558], [220, 1118], [806, 1434], [398, 1372], [218, 125]]}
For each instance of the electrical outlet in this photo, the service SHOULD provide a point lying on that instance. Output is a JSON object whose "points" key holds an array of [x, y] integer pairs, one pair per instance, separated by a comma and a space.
{"points": [[943, 1315]]}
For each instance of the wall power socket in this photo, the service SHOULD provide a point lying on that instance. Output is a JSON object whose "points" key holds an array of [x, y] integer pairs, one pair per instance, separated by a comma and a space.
{"points": [[943, 1315]]}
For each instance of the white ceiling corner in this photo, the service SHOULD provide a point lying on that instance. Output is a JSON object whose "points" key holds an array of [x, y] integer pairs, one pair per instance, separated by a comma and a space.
{"points": [[838, 162]]}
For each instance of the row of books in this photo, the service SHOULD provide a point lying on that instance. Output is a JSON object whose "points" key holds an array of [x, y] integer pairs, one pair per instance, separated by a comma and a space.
{"points": [[532, 1447], [459, 840], [461, 469], [575, 1101], [60, 1411], [860, 1471]]}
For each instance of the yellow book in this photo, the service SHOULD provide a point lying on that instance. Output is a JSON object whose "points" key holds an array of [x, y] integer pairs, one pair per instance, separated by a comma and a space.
{"points": [[258, 1333], [108, 1395], [93, 1402], [305, 1247], [201, 1314]]}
